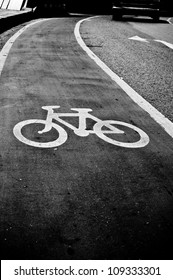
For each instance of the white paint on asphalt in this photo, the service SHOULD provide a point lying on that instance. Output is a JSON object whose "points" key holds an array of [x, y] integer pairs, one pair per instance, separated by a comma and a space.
{"points": [[165, 123], [137, 38], [169, 20], [169, 45], [82, 131], [5, 50]]}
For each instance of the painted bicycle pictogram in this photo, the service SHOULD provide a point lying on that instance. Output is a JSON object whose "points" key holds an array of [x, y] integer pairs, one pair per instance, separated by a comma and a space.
{"points": [[104, 129]]}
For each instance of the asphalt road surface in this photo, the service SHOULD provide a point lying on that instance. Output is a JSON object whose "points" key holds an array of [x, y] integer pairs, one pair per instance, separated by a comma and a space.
{"points": [[93, 194], [135, 49]]}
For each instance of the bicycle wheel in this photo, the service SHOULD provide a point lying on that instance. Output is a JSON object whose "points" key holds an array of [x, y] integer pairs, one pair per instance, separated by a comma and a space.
{"points": [[17, 130], [143, 137]]}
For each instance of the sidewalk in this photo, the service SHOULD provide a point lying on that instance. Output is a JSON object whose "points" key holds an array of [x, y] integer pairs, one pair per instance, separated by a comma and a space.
{"points": [[10, 18], [8, 13]]}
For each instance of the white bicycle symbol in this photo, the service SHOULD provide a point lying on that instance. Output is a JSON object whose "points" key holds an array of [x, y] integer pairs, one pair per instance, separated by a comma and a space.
{"points": [[83, 114]]}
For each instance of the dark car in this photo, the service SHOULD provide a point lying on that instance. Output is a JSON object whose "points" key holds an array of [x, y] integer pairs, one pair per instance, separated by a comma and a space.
{"points": [[149, 8]]}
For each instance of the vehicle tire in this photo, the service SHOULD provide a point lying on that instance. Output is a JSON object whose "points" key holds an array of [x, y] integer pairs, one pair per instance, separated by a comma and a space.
{"points": [[17, 130], [143, 137]]}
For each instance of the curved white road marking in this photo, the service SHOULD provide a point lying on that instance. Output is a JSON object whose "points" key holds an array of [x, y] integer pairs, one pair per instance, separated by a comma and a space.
{"points": [[5, 50], [165, 123], [169, 20], [137, 38]]}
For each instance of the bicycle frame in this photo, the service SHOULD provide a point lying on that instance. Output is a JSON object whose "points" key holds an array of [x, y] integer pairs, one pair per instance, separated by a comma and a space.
{"points": [[82, 114]]}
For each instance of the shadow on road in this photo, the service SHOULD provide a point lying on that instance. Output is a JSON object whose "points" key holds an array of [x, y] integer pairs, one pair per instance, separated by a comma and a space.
{"points": [[142, 20]]}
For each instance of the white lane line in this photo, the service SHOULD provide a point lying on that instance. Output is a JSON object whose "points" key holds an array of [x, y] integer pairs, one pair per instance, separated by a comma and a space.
{"points": [[137, 38], [165, 123], [5, 50], [169, 45], [169, 20]]}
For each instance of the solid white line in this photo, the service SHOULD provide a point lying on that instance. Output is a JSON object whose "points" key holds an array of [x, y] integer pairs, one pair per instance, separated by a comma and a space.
{"points": [[5, 50], [165, 123]]}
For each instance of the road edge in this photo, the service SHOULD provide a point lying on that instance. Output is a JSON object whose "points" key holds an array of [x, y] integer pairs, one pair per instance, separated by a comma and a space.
{"points": [[6, 48], [164, 122]]}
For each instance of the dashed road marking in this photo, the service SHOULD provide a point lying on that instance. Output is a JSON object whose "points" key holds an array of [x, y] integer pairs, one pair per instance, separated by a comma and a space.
{"points": [[137, 38], [169, 45]]}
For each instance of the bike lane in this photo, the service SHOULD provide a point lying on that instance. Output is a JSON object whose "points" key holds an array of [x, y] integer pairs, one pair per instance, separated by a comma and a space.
{"points": [[84, 199]]}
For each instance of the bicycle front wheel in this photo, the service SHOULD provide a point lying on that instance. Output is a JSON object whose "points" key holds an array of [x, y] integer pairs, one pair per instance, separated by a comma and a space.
{"points": [[17, 130], [101, 133]]}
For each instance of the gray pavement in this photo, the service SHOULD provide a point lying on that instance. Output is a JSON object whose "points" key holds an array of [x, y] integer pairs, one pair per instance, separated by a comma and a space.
{"points": [[86, 198]]}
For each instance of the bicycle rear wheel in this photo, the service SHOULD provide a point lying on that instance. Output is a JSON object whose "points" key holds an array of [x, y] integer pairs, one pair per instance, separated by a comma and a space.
{"points": [[17, 130]]}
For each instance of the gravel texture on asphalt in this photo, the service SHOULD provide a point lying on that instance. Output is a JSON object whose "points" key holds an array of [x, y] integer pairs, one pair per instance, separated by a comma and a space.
{"points": [[146, 67]]}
